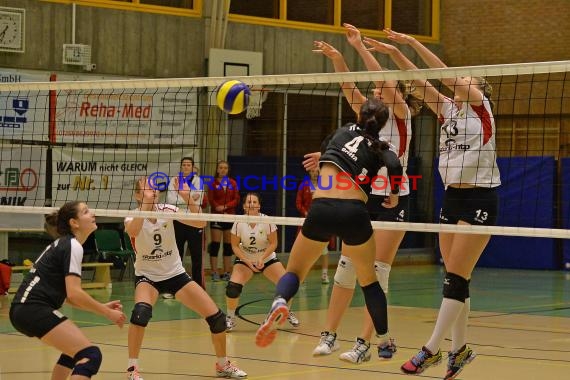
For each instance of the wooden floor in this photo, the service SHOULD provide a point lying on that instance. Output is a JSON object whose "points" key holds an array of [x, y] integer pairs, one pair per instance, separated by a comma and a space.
{"points": [[519, 328]]}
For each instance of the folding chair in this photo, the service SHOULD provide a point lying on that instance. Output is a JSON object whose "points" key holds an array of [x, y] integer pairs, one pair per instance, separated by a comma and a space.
{"points": [[110, 249]]}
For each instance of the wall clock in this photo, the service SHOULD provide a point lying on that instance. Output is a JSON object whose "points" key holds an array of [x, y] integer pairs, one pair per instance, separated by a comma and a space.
{"points": [[12, 29]]}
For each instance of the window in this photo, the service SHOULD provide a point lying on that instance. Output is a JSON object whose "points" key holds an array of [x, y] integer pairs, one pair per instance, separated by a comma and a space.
{"points": [[169, 7], [417, 17], [315, 11], [365, 14], [188, 4], [412, 16], [257, 8]]}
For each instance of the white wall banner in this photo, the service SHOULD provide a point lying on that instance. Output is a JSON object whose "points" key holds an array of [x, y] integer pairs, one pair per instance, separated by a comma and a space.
{"points": [[22, 183], [24, 114], [105, 178], [128, 116]]}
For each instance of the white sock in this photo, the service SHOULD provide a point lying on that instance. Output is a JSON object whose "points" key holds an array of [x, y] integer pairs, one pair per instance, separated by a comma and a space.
{"points": [[459, 329], [231, 313], [133, 362], [222, 361], [448, 313]]}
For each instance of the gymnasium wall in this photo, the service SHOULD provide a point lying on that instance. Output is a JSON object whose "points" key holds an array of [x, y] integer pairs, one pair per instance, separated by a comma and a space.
{"points": [[130, 43]]}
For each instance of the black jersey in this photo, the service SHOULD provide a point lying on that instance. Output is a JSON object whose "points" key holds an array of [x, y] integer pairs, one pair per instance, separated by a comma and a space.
{"points": [[352, 152], [45, 284]]}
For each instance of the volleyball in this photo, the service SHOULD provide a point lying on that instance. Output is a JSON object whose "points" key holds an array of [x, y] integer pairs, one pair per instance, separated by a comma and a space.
{"points": [[233, 96]]}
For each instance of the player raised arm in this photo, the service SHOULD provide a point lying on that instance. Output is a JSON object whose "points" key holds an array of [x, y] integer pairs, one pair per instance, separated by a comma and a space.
{"points": [[387, 90], [463, 88], [353, 95], [431, 96]]}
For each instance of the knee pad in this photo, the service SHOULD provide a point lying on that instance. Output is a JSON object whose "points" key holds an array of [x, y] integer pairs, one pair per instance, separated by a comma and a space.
{"points": [[87, 362], [142, 313], [233, 289], [66, 361], [228, 251], [455, 287], [213, 248], [217, 322], [382, 274], [345, 275]]}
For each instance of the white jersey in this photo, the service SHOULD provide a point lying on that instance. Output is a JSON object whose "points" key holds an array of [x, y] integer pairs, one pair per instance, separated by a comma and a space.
{"points": [[398, 133], [157, 255], [467, 149], [196, 191], [254, 241]]}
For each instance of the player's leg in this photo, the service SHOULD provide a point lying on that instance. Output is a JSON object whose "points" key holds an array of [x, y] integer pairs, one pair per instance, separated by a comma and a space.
{"points": [[214, 248], [241, 274], [145, 298], [81, 358], [304, 254], [195, 237], [273, 271], [341, 295], [195, 298], [227, 252]]}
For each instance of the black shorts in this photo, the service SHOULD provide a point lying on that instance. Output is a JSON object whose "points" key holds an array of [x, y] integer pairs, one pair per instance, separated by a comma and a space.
{"points": [[477, 206], [35, 320], [172, 285], [224, 226], [346, 218], [266, 264], [400, 213]]}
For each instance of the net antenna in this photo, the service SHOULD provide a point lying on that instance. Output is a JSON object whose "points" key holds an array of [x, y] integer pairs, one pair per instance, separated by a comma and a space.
{"points": [[256, 99]]}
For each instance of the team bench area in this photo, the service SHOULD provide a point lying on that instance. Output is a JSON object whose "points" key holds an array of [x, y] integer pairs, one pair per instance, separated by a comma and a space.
{"points": [[101, 277]]}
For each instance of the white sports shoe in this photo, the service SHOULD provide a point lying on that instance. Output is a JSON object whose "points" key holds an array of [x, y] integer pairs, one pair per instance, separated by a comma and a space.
{"points": [[133, 373], [327, 344], [293, 320], [230, 371], [359, 353]]}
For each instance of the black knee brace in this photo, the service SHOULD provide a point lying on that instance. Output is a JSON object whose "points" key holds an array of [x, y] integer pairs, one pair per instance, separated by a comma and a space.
{"points": [[213, 248], [455, 287], [217, 322], [228, 251], [87, 362], [66, 361], [233, 289], [142, 313]]}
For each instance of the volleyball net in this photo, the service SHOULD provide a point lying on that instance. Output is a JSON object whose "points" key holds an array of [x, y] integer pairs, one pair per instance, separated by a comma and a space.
{"points": [[92, 140]]}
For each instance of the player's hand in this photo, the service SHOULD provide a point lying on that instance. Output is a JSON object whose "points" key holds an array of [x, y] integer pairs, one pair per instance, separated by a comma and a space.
{"points": [[114, 305], [117, 317], [259, 264], [251, 265], [391, 201], [379, 46], [326, 49], [311, 161], [400, 38], [353, 35]]}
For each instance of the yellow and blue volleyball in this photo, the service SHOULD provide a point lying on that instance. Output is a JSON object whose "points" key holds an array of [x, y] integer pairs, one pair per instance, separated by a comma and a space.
{"points": [[233, 96]]}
